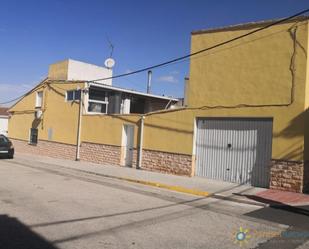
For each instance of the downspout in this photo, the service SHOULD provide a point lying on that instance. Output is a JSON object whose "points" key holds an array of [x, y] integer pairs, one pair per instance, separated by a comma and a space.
{"points": [[79, 127], [140, 150]]}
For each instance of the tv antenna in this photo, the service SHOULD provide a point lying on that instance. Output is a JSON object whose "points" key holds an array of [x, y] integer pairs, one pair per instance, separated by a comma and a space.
{"points": [[111, 46]]}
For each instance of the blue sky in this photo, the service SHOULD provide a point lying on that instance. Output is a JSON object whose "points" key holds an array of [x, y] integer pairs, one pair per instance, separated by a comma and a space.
{"points": [[34, 34]]}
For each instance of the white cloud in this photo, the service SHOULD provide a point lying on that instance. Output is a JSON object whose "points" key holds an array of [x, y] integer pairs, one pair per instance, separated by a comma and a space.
{"points": [[128, 71], [174, 72], [12, 91], [168, 79]]}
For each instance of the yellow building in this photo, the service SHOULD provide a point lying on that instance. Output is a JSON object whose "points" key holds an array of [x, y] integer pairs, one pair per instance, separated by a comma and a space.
{"points": [[245, 119]]}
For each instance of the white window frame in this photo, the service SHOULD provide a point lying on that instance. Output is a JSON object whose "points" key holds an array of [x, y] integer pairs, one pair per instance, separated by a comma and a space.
{"points": [[39, 99], [99, 102]]}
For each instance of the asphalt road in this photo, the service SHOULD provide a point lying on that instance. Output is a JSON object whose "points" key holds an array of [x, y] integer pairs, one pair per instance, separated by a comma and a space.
{"points": [[61, 208]]}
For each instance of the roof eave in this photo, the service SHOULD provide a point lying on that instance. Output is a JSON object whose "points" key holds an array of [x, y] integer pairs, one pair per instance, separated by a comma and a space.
{"points": [[134, 92]]}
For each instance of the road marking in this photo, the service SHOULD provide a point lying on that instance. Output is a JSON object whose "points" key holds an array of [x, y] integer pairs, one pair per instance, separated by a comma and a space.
{"points": [[166, 186]]}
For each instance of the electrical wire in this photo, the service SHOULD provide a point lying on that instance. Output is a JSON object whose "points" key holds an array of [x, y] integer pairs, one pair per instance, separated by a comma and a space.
{"points": [[188, 55], [25, 94], [205, 49], [12, 100]]}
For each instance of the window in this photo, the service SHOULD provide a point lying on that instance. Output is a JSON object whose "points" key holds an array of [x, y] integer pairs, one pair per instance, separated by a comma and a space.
{"points": [[97, 107], [73, 95], [98, 101], [39, 99], [33, 136]]}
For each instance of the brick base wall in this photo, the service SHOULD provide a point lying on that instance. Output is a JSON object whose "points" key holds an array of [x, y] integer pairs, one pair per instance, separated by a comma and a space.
{"points": [[46, 148], [163, 162], [171, 163], [287, 175], [306, 177], [100, 153], [284, 175]]}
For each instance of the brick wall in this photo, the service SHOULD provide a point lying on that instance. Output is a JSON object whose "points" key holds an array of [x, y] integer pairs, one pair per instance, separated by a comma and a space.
{"points": [[100, 153], [287, 175], [306, 177], [46, 148], [135, 158], [171, 163], [284, 175]]}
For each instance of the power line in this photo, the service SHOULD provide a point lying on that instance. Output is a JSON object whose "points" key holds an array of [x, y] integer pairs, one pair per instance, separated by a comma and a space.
{"points": [[12, 100], [188, 55], [205, 49], [25, 94]]}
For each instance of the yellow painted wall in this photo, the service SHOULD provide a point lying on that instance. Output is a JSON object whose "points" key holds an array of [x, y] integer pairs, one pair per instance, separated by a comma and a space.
{"points": [[58, 71], [173, 131], [23, 116], [59, 115], [255, 70], [107, 129], [19, 126], [307, 104]]}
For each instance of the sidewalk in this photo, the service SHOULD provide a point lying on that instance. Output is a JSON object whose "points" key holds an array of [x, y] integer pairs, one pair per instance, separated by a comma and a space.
{"points": [[190, 185]]}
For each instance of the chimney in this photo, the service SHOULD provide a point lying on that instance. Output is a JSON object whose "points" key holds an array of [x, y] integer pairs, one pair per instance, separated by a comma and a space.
{"points": [[149, 81]]}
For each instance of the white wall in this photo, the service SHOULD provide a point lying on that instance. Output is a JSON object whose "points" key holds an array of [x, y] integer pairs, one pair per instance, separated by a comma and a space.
{"points": [[4, 125], [78, 70]]}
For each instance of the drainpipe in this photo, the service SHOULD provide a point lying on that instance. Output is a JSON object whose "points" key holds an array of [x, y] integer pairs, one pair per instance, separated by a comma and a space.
{"points": [[79, 127], [141, 143]]}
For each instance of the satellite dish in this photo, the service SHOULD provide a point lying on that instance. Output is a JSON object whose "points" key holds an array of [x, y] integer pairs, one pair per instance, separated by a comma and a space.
{"points": [[109, 62]]}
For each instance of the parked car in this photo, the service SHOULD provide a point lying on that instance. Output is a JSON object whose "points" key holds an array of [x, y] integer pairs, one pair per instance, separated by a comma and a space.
{"points": [[6, 147]]}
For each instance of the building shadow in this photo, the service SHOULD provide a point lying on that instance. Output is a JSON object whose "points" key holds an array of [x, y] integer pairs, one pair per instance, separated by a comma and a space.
{"points": [[302, 210], [278, 212], [296, 217], [15, 235]]}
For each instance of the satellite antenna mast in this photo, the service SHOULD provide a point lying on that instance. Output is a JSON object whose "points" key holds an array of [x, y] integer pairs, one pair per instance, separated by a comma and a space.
{"points": [[110, 62], [111, 47]]}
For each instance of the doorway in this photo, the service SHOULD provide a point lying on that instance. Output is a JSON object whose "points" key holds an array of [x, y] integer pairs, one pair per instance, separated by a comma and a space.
{"points": [[128, 144]]}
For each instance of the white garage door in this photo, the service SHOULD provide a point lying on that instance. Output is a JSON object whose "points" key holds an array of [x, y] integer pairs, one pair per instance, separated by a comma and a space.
{"points": [[235, 150]]}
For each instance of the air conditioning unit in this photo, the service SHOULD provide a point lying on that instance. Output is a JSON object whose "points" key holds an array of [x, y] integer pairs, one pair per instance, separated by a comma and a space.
{"points": [[38, 114]]}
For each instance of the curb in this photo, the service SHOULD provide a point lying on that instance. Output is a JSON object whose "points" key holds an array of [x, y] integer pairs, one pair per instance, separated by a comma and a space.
{"points": [[166, 186], [239, 200], [175, 188], [147, 183]]}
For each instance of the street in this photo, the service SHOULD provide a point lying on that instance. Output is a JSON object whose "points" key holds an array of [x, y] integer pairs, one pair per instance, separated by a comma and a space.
{"points": [[53, 207]]}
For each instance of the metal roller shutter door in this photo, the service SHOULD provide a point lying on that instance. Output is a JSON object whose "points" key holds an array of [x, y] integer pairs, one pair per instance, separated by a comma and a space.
{"points": [[234, 149]]}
